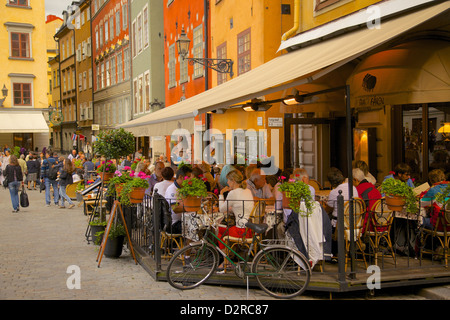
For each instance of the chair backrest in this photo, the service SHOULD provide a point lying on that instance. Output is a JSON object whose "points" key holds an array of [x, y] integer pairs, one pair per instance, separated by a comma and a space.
{"points": [[359, 209], [381, 216], [258, 210], [165, 214], [315, 184]]}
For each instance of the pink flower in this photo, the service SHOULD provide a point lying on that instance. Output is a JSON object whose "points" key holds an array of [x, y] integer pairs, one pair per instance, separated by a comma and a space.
{"points": [[126, 168], [283, 178], [185, 178]]}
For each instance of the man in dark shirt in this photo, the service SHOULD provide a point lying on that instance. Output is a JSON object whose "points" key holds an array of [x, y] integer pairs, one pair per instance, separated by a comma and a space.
{"points": [[45, 169]]}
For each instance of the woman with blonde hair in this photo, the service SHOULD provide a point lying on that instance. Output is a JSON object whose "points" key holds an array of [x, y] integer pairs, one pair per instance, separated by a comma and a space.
{"points": [[239, 202]]}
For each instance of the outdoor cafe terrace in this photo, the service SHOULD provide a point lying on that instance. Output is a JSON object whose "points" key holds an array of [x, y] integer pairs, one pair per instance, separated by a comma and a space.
{"points": [[393, 242]]}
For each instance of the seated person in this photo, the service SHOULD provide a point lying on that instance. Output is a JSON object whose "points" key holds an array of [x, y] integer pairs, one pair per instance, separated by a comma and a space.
{"points": [[360, 164], [301, 174], [172, 198], [402, 171], [260, 189], [367, 191], [438, 183], [198, 173], [338, 183], [161, 187], [436, 178], [239, 202]]}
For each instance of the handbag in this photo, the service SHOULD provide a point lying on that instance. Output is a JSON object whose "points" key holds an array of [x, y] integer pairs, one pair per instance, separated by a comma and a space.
{"points": [[5, 183], [24, 202]]}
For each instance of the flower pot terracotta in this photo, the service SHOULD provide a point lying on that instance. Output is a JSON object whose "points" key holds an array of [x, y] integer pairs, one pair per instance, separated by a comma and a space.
{"points": [[137, 195], [106, 176], [395, 203], [192, 203], [119, 188]]}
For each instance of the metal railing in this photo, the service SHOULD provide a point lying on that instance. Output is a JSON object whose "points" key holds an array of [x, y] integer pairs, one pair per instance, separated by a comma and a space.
{"points": [[355, 250]]}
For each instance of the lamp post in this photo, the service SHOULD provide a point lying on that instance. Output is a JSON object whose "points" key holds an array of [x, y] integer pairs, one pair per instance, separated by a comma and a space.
{"points": [[5, 94], [219, 65]]}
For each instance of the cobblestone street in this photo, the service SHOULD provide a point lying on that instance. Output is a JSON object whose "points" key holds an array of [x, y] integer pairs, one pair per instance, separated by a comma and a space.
{"points": [[38, 244]]}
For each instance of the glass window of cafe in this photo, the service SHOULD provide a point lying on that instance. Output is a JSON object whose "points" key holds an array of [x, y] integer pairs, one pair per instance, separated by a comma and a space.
{"points": [[425, 144]]}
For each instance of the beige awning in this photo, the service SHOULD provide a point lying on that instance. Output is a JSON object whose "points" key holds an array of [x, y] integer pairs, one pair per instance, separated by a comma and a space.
{"points": [[22, 122], [413, 72], [289, 70]]}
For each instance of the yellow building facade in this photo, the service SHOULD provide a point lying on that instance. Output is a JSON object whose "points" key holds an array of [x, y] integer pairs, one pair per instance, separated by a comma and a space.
{"points": [[24, 74]]}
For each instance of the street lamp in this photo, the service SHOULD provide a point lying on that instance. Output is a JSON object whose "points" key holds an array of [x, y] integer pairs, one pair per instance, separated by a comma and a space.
{"points": [[5, 94], [219, 65]]}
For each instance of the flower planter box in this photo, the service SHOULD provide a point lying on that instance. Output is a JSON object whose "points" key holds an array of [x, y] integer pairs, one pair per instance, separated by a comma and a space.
{"points": [[192, 204], [395, 203], [106, 176], [137, 195]]}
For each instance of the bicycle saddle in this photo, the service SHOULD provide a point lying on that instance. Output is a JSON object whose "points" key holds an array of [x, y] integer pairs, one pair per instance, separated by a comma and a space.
{"points": [[258, 228]]}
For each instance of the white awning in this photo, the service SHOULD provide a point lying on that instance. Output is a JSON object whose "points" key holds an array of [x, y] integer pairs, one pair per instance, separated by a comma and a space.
{"points": [[22, 122], [289, 70]]}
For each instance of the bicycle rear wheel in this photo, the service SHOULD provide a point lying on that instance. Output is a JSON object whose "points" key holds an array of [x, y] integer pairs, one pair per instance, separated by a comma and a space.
{"points": [[281, 272], [191, 266]]}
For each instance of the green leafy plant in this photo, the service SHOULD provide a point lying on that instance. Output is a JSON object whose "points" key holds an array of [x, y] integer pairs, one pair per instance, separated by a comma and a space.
{"points": [[137, 181], [298, 191], [443, 196], [396, 187], [97, 223], [116, 230], [107, 167], [119, 178], [192, 187], [114, 144]]}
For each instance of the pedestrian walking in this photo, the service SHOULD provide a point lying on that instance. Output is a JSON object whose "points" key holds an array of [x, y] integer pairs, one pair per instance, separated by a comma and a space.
{"points": [[14, 176], [48, 177], [33, 167], [65, 178], [4, 162]]}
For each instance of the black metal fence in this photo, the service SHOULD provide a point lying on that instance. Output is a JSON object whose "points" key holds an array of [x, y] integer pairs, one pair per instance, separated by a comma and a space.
{"points": [[391, 240]]}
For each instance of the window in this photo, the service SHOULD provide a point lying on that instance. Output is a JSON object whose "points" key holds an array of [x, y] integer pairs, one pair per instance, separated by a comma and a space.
{"points": [[244, 52], [139, 34], [22, 94], [136, 97], [119, 68], [113, 70], [80, 81], [320, 4], [20, 45], [107, 74], [102, 73], [106, 32], [96, 40], [126, 58], [84, 80], [90, 78], [101, 36], [111, 27], [147, 91], [73, 79], [145, 18], [23, 3], [124, 17], [141, 95], [198, 50], [134, 35], [118, 23], [172, 80], [221, 54]]}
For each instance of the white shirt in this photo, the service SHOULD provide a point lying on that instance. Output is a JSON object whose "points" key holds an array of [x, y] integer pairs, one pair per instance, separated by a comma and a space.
{"points": [[162, 187], [332, 198], [235, 204], [171, 197]]}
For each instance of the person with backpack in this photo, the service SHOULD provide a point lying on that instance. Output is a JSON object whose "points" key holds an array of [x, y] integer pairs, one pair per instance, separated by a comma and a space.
{"points": [[65, 178], [14, 176], [49, 174]]}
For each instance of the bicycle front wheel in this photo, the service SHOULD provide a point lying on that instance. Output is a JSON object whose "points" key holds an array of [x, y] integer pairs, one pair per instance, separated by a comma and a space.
{"points": [[192, 266], [281, 272]]}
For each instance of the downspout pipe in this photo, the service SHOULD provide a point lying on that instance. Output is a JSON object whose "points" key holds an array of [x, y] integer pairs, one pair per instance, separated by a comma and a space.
{"points": [[294, 29]]}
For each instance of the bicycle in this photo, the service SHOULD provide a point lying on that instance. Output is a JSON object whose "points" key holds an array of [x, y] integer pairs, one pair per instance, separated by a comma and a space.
{"points": [[280, 271]]}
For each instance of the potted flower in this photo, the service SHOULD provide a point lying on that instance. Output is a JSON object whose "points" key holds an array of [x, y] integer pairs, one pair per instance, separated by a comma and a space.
{"points": [[293, 193], [114, 243], [133, 190], [106, 170], [191, 193], [117, 182], [398, 194]]}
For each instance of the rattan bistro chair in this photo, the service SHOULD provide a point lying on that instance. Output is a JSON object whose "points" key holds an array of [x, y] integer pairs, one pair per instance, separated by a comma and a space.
{"points": [[169, 240], [441, 232], [379, 228], [315, 184], [359, 209]]}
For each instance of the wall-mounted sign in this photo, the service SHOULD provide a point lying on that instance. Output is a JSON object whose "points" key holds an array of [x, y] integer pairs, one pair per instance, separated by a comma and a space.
{"points": [[95, 127], [275, 122]]}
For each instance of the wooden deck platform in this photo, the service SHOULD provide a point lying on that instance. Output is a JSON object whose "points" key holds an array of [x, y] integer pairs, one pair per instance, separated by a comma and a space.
{"points": [[407, 271]]}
